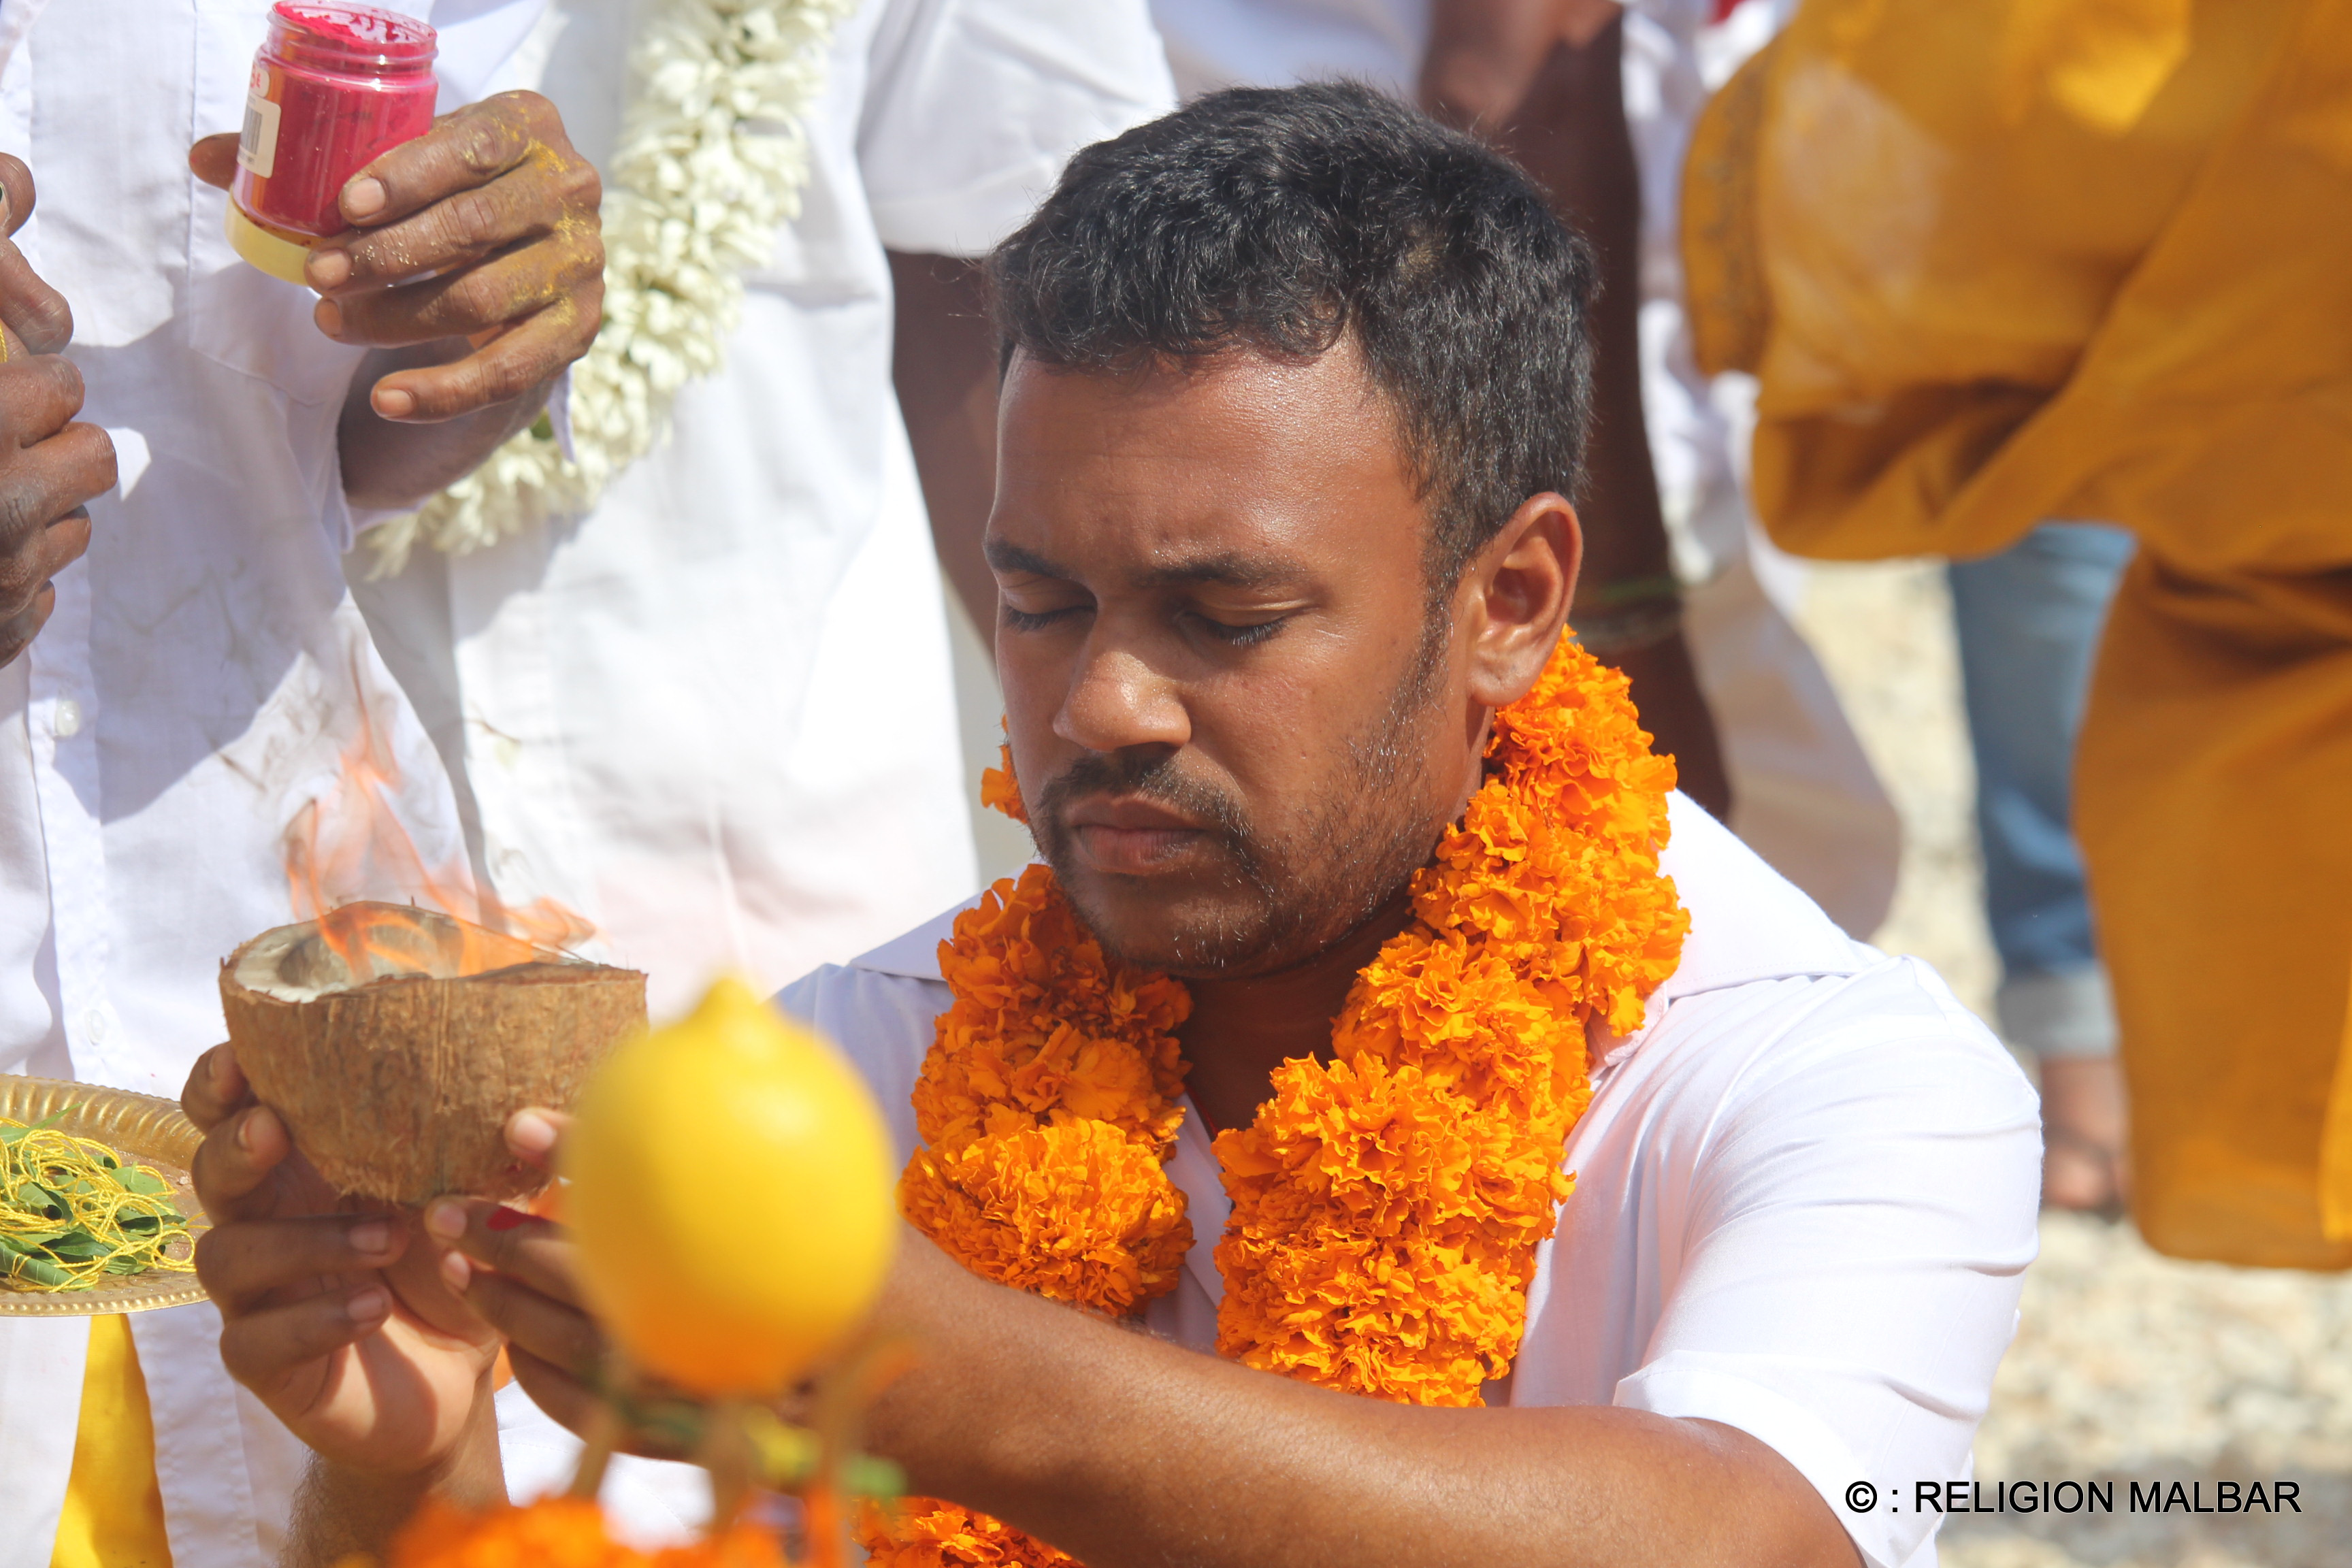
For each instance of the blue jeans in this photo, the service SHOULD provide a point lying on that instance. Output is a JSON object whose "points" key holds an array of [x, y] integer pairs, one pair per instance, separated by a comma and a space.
{"points": [[2028, 621]]}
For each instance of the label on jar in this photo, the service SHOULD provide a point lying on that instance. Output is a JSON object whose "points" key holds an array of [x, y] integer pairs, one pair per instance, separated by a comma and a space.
{"points": [[256, 147]]}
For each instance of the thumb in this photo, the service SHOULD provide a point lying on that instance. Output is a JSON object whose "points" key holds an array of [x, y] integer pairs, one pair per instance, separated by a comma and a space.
{"points": [[214, 159], [15, 193], [534, 1134], [34, 317]]}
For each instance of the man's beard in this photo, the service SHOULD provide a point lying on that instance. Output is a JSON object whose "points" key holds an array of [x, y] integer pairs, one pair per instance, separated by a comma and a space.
{"points": [[1285, 900]]}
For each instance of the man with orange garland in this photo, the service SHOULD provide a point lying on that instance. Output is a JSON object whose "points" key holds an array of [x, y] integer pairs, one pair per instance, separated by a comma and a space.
{"points": [[1295, 392]]}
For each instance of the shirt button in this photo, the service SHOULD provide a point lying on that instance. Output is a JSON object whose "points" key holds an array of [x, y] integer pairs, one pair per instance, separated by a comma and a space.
{"points": [[65, 719], [93, 1024]]}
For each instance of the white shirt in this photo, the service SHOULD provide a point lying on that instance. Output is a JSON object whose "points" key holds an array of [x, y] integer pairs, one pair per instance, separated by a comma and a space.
{"points": [[182, 725], [1806, 1192], [716, 717]]}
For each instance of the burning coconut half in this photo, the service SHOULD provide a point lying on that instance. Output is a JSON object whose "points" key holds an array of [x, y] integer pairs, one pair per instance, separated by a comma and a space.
{"points": [[396, 1041]]}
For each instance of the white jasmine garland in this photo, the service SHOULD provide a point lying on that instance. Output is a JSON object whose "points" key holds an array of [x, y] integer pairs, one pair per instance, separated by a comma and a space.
{"points": [[711, 158]]}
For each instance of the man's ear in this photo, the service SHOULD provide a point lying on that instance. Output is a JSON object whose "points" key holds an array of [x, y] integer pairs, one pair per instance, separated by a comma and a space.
{"points": [[1513, 600]]}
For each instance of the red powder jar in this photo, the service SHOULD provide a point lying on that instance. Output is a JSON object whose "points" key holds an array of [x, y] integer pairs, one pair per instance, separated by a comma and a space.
{"points": [[333, 86]]}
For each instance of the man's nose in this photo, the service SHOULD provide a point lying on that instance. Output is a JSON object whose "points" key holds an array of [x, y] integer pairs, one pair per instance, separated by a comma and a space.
{"points": [[1118, 702]]}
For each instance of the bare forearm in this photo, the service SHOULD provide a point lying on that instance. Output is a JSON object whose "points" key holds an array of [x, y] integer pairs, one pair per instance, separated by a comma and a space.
{"points": [[1131, 1453], [1569, 130], [1484, 55], [340, 1511], [388, 463], [944, 366]]}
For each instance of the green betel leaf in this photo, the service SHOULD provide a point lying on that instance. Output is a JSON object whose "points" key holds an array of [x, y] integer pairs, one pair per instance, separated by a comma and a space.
{"points": [[36, 1270], [12, 1134], [135, 1179], [35, 1240]]}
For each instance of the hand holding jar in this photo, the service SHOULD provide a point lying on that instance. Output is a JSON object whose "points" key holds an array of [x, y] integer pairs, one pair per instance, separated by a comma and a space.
{"points": [[484, 228], [49, 464]]}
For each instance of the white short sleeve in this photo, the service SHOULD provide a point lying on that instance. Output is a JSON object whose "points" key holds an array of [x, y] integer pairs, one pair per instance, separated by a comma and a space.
{"points": [[1845, 1209], [975, 105], [883, 1023]]}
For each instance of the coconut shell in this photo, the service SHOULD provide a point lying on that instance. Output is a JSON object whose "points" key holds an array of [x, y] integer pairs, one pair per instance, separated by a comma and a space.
{"points": [[400, 1089]]}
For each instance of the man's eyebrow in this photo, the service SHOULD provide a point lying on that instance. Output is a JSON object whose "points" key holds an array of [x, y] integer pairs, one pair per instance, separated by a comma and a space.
{"points": [[1226, 569], [1229, 569], [1007, 557]]}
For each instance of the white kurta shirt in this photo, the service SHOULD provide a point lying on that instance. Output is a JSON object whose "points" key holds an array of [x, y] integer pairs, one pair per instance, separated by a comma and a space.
{"points": [[1806, 1192], [186, 719], [716, 716]]}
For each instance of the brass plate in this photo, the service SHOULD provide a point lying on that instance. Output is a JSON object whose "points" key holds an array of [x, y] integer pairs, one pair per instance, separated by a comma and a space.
{"points": [[145, 1131]]}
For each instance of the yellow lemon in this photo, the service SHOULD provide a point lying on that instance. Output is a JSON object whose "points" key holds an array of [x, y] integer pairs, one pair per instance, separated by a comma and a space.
{"points": [[731, 1195]]}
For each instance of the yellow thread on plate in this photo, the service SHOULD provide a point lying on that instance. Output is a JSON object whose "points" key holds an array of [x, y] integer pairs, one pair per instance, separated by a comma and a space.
{"points": [[54, 1185]]}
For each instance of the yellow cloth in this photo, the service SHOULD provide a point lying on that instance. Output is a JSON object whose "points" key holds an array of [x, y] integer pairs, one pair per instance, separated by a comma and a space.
{"points": [[1999, 261], [114, 1509]]}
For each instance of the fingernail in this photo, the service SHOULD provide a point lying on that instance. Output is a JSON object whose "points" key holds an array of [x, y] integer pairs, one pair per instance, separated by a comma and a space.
{"points": [[328, 269], [223, 1067], [245, 1130], [505, 1218], [393, 403], [367, 1306], [529, 1132], [329, 317], [372, 1237], [457, 1271], [363, 197], [444, 1220]]}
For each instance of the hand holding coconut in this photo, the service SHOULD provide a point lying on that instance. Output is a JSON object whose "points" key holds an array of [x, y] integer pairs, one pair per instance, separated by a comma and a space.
{"points": [[376, 1053], [340, 1322], [731, 1188]]}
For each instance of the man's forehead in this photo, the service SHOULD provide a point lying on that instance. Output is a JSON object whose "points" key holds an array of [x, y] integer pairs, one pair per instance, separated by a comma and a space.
{"points": [[1235, 471]]}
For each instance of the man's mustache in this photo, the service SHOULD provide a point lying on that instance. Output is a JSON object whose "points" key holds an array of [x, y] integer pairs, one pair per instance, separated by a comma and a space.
{"points": [[1157, 779]]}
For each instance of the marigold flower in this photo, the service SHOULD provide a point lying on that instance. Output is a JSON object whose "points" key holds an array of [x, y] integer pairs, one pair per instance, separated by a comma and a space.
{"points": [[554, 1533], [924, 1532], [999, 791]]}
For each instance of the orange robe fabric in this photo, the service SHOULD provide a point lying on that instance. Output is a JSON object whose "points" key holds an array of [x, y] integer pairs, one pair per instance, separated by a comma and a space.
{"points": [[2000, 261]]}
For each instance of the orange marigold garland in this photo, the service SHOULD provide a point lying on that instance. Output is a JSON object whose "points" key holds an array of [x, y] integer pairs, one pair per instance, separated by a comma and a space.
{"points": [[1047, 1107], [1387, 1201], [557, 1532]]}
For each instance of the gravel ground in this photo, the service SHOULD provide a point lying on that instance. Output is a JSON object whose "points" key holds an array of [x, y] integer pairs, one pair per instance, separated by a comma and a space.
{"points": [[2127, 1366]]}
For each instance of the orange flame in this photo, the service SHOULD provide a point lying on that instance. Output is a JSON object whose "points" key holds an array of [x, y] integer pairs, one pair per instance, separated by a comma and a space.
{"points": [[375, 939], [350, 864]]}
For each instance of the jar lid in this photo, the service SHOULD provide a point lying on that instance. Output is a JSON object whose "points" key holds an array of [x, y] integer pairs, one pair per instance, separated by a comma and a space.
{"points": [[269, 250], [349, 38]]}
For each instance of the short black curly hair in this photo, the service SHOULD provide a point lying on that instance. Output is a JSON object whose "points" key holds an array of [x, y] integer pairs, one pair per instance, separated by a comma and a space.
{"points": [[1281, 219]]}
